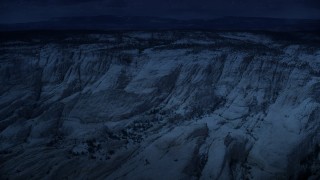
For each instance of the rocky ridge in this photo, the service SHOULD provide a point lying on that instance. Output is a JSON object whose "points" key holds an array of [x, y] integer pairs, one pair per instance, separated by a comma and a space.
{"points": [[160, 105]]}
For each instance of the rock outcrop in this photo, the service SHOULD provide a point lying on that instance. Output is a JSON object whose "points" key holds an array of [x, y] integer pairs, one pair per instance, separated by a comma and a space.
{"points": [[160, 105]]}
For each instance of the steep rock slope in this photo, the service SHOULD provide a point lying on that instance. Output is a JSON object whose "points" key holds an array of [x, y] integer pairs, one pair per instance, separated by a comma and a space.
{"points": [[160, 105]]}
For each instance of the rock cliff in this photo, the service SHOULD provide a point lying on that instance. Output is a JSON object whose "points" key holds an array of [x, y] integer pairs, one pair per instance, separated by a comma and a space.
{"points": [[160, 105]]}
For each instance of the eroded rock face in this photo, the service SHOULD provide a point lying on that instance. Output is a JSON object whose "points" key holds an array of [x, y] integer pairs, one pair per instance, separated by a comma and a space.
{"points": [[160, 105]]}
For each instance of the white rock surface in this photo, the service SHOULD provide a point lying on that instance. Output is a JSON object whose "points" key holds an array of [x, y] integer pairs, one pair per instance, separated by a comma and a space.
{"points": [[160, 105]]}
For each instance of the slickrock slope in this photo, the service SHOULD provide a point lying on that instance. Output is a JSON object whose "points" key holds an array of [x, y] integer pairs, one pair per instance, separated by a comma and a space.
{"points": [[160, 105]]}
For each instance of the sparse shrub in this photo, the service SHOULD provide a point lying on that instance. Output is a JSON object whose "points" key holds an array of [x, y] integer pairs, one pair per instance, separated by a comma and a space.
{"points": [[125, 58]]}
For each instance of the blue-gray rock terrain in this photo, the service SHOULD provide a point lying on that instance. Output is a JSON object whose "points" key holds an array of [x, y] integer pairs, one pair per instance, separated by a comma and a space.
{"points": [[159, 105]]}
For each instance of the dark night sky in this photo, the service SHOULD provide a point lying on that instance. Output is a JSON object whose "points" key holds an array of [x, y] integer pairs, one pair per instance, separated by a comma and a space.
{"points": [[13, 11]]}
